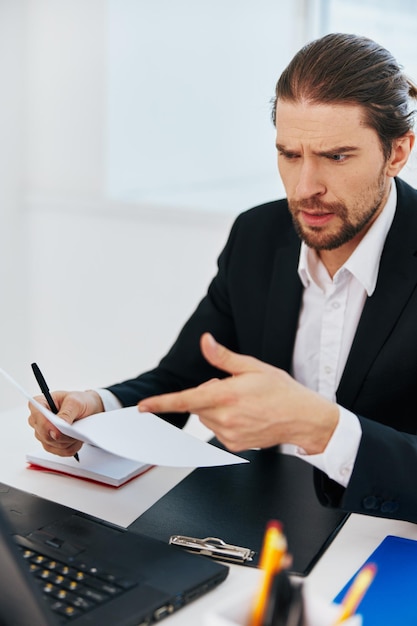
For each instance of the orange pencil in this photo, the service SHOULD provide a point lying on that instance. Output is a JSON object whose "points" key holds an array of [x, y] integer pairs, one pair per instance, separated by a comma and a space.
{"points": [[356, 592], [273, 551]]}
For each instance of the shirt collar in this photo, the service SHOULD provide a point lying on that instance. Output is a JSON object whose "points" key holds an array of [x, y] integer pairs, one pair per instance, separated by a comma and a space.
{"points": [[363, 263]]}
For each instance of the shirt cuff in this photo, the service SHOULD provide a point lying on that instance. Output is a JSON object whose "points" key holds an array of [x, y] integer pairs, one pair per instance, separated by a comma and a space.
{"points": [[110, 401], [339, 456]]}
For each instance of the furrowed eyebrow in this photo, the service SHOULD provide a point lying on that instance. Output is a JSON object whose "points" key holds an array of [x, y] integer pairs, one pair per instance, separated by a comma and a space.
{"points": [[338, 150], [334, 150], [284, 150]]}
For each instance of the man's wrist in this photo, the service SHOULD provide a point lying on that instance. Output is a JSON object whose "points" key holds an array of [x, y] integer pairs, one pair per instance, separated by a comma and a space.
{"points": [[338, 458], [108, 400]]}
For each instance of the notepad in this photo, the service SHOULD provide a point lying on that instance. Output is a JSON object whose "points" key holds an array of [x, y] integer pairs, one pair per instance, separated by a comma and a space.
{"points": [[391, 598], [95, 464]]}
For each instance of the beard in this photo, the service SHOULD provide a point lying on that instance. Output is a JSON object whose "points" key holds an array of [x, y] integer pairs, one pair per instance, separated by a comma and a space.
{"points": [[317, 238]]}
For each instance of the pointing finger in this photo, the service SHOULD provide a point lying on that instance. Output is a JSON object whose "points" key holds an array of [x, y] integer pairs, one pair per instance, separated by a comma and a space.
{"points": [[191, 400]]}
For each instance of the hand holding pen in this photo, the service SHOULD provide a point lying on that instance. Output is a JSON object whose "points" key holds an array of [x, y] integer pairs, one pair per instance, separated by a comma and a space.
{"points": [[45, 390]]}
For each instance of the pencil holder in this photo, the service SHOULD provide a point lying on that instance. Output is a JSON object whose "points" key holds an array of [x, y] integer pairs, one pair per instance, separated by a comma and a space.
{"points": [[317, 612]]}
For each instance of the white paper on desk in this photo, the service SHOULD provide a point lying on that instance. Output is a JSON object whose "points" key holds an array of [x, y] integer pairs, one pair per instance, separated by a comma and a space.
{"points": [[138, 436]]}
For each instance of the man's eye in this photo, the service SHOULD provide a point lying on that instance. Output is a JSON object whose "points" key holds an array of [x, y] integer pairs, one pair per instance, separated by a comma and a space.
{"points": [[338, 157]]}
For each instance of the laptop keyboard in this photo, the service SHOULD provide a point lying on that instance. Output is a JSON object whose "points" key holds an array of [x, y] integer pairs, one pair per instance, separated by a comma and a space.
{"points": [[71, 590]]}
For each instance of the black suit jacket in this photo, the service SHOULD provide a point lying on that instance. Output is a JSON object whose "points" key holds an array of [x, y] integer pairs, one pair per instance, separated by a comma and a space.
{"points": [[252, 306]]}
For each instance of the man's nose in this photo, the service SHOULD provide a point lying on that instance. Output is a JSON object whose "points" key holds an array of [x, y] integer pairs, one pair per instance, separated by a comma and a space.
{"points": [[310, 181]]}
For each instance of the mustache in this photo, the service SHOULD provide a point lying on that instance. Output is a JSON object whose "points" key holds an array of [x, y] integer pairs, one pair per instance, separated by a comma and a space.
{"points": [[338, 208]]}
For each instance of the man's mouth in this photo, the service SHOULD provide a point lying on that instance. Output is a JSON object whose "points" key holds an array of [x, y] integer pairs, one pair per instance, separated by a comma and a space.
{"points": [[316, 219]]}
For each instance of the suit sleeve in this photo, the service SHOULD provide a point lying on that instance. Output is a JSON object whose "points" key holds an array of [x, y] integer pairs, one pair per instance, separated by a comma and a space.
{"points": [[382, 479]]}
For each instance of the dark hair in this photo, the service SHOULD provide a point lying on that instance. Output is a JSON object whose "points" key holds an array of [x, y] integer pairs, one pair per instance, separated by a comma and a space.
{"points": [[343, 68]]}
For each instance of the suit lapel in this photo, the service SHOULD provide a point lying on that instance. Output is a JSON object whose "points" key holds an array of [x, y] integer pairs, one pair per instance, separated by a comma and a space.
{"points": [[283, 306], [397, 279]]}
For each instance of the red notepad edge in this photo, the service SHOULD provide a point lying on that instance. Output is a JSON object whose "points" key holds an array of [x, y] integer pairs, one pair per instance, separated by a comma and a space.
{"points": [[39, 468]]}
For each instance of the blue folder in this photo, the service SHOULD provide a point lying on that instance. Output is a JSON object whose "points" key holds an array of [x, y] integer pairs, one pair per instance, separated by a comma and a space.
{"points": [[391, 598]]}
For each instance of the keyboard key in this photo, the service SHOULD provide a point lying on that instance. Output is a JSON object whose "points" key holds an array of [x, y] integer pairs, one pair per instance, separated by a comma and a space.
{"points": [[74, 589]]}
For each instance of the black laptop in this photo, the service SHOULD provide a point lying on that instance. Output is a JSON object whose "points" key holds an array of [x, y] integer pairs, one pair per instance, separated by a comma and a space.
{"points": [[60, 566]]}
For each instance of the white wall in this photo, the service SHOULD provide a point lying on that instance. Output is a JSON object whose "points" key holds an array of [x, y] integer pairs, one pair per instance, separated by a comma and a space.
{"points": [[96, 278], [14, 318], [120, 286], [189, 89], [122, 166]]}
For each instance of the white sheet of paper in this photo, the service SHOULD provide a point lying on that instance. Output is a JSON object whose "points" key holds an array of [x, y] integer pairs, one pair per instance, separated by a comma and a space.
{"points": [[142, 437]]}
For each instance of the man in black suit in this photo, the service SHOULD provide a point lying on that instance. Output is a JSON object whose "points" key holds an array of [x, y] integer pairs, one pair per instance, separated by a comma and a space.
{"points": [[315, 342]]}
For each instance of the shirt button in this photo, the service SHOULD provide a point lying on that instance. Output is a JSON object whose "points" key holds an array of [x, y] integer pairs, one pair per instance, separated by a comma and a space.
{"points": [[327, 369], [335, 305]]}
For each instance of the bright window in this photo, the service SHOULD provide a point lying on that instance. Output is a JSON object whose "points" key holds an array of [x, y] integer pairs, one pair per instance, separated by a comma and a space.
{"points": [[189, 86], [189, 89]]}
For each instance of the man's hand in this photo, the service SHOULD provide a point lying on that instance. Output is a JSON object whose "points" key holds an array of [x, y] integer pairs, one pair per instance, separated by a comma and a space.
{"points": [[72, 406], [258, 406]]}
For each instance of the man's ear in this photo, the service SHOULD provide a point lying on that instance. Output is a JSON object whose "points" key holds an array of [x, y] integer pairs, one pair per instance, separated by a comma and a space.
{"points": [[401, 149]]}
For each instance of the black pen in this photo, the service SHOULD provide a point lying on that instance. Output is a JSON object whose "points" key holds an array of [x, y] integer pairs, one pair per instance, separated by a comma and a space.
{"points": [[45, 390]]}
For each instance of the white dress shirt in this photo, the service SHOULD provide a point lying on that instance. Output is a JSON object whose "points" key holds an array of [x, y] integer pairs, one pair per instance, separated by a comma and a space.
{"points": [[329, 315]]}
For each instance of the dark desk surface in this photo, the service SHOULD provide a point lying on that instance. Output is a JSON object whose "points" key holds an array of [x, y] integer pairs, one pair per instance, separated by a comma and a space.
{"points": [[234, 503]]}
